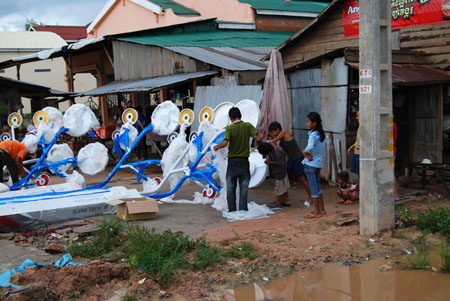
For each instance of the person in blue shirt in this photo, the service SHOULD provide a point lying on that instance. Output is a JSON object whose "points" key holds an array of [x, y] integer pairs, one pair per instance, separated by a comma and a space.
{"points": [[313, 161]]}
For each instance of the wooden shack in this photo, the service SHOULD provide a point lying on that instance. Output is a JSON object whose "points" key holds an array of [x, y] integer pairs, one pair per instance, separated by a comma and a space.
{"points": [[322, 67]]}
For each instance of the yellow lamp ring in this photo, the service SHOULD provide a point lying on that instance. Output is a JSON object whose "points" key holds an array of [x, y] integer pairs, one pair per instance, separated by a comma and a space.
{"points": [[130, 116], [40, 117], [15, 120], [186, 117], [206, 114]]}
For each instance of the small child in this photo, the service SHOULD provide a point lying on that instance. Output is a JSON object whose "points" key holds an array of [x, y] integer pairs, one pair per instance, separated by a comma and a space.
{"points": [[277, 163], [346, 191]]}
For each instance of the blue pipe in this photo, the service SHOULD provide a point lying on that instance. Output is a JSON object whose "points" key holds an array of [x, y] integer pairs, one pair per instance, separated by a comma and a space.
{"points": [[147, 129], [35, 169]]}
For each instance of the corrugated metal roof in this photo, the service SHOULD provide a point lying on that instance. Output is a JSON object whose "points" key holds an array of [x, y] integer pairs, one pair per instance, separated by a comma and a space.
{"points": [[213, 38], [30, 40], [414, 74], [234, 59], [177, 8], [296, 6], [148, 84], [65, 32]]}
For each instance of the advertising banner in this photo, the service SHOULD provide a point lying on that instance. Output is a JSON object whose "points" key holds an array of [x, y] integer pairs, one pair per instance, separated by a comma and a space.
{"points": [[404, 13]]}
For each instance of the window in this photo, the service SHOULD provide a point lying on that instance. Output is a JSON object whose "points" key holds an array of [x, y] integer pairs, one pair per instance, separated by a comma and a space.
{"points": [[42, 70]]}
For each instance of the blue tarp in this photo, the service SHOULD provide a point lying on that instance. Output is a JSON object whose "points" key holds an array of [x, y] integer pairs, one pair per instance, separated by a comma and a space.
{"points": [[64, 261]]}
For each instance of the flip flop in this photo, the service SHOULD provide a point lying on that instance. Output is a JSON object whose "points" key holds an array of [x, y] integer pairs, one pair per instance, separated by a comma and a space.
{"points": [[347, 203], [273, 205], [397, 200], [286, 204], [341, 202], [311, 215]]}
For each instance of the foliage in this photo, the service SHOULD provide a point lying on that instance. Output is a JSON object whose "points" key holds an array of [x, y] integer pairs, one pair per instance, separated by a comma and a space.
{"points": [[241, 251], [207, 256], [76, 293], [407, 218], [158, 255], [105, 240], [435, 220], [30, 22], [128, 297], [444, 252], [419, 261]]}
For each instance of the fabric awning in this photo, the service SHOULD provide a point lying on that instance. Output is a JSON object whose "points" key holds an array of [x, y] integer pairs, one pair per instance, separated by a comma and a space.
{"points": [[414, 74], [145, 85]]}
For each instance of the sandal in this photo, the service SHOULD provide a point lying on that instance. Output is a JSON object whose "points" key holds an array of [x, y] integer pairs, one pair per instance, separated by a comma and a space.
{"points": [[348, 203], [341, 202], [311, 215], [274, 205], [286, 204]]}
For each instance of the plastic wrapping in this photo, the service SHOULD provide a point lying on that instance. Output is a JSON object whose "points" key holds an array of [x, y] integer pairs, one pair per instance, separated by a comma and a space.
{"points": [[165, 118], [171, 155], [255, 211], [79, 119], [55, 122], [132, 134], [60, 152], [93, 158], [76, 178], [149, 185], [31, 142], [3, 187]]}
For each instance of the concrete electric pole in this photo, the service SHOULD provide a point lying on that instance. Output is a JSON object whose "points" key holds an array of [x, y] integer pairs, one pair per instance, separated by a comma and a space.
{"points": [[376, 130]]}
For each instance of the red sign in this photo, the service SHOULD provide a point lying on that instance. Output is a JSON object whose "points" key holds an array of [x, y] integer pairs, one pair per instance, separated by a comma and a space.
{"points": [[404, 13]]}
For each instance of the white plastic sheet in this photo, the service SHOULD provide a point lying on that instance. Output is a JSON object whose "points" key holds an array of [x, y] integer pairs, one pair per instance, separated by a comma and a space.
{"points": [[60, 152], [31, 142], [79, 119], [93, 158], [165, 118], [55, 121], [255, 211], [76, 178], [132, 134]]}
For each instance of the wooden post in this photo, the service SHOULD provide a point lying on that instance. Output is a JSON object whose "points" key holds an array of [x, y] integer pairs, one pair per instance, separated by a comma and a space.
{"points": [[163, 95], [69, 76], [103, 103], [134, 100]]}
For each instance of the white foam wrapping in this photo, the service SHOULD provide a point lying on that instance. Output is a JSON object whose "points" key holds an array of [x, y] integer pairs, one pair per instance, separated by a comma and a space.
{"points": [[3, 187], [55, 122], [149, 185], [60, 152], [93, 158], [31, 143], [79, 119], [255, 211], [165, 118], [171, 155], [132, 134], [76, 178], [250, 111]]}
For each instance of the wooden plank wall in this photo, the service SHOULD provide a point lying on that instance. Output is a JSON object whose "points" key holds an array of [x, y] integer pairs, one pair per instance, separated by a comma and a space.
{"points": [[326, 37], [134, 61], [433, 39]]}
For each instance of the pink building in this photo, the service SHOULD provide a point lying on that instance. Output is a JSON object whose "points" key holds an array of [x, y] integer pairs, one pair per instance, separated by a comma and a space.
{"points": [[120, 16]]}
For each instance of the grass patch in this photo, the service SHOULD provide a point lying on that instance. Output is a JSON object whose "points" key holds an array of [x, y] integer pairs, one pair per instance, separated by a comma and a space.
{"points": [[407, 218], [399, 234], [76, 293], [240, 251], [105, 240], [207, 256], [419, 261], [435, 220], [444, 252]]}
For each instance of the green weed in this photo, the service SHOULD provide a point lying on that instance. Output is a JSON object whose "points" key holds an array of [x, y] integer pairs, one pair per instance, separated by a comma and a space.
{"points": [[444, 252], [241, 251], [128, 297], [407, 218], [76, 293], [399, 234], [420, 261], [105, 240], [207, 256], [435, 220]]}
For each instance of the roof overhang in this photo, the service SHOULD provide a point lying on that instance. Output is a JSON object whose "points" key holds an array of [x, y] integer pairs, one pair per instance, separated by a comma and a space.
{"points": [[16, 88], [284, 13], [147, 85], [406, 75]]}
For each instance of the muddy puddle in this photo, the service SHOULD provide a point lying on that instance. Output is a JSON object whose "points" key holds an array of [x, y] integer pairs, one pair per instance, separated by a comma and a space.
{"points": [[374, 280]]}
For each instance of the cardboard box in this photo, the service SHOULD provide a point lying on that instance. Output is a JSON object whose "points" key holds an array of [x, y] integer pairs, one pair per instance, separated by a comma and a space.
{"points": [[132, 209]]}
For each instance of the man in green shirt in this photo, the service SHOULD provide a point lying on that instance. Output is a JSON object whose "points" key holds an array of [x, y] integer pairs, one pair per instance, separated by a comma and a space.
{"points": [[237, 138]]}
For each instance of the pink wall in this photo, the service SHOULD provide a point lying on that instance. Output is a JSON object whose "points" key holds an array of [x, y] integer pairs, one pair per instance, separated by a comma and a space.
{"points": [[224, 10], [132, 17]]}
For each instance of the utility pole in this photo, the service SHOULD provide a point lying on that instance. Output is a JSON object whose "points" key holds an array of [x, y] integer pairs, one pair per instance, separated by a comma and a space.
{"points": [[376, 120]]}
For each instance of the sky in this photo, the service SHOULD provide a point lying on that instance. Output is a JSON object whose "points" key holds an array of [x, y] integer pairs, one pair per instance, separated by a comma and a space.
{"points": [[14, 13]]}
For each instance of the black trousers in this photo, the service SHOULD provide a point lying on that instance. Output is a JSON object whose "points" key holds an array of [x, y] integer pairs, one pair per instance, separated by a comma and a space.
{"points": [[5, 159]]}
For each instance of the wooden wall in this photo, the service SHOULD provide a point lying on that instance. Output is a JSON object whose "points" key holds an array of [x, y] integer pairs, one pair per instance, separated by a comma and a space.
{"points": [[134, 61], [433, 39], [326, 37]]}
